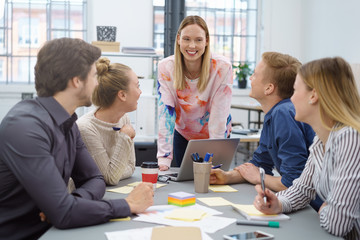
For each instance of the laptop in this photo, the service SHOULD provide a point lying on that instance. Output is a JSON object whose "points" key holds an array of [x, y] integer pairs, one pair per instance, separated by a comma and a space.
{"points": [[223, 150]]}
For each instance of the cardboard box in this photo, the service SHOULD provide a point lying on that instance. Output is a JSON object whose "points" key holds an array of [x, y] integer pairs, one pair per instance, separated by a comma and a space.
{"points": [[107, 46]]}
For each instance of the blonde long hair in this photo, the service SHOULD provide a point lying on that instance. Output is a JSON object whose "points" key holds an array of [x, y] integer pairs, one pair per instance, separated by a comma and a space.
{"points": [[334, 82], [179, 77]]}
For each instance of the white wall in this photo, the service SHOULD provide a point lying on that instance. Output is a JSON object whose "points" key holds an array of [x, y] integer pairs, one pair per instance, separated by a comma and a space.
{"points": [[311, 29], [134, 22]]}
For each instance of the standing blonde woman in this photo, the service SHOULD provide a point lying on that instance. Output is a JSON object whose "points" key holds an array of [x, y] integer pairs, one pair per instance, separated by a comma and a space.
{"points": [[107, 131], [194, 93], [326, 97]]}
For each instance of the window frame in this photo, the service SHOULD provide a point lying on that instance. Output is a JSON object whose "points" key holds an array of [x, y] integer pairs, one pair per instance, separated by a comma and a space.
{"points": [[11, 56]]}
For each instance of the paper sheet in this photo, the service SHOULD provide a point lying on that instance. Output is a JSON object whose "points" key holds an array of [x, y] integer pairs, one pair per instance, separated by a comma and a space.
{"points": [[186, 214], [120, 219], [139, 234], [215, 201], [251, 213], [222, 188], [209, 224], [127, 189], [123, 190]]}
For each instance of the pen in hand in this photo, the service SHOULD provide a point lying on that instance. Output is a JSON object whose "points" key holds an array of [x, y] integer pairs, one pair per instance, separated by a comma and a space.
{"points": [[262, 177], [217, 166]]}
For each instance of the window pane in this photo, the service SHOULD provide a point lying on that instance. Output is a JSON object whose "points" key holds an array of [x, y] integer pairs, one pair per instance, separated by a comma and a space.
{"points": [[252, 4], [20, 69], [58, 16], [2, 69], [251, 21], [76, 17]]}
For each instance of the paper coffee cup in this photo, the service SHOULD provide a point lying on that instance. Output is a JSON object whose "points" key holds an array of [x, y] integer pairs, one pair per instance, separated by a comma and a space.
{"points": [[149, 172]]}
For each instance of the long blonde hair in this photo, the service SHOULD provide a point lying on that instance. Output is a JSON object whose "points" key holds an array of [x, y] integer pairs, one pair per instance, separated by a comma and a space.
{"points": [[179, 77], [334, 82]]}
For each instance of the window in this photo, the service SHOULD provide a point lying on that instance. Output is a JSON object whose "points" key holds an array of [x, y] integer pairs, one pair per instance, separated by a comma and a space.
{"points": [[232, 25], [27, 24]]}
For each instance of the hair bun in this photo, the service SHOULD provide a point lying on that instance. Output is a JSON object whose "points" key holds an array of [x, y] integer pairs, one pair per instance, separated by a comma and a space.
{"points": [[102, 66]]}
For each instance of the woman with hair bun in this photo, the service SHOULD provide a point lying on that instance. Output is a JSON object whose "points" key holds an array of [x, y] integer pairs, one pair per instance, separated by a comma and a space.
{"points": [[107, 131]]}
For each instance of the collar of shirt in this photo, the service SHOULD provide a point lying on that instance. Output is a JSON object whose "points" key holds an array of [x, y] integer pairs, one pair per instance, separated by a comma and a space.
{"points": [[58, 113], [268, 115]]}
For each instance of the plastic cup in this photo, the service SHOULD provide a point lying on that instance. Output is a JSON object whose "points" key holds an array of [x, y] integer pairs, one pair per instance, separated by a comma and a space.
{"points": [[149, 172], [201, 176]]}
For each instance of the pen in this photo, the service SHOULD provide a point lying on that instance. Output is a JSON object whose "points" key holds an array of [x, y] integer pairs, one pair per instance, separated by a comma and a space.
{"points": [[208, 157], [258, 223], [262, 176], [217, 166]]}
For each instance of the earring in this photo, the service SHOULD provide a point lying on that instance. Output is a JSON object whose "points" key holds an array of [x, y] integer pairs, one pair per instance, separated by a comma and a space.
{"points": [[310, 102]]}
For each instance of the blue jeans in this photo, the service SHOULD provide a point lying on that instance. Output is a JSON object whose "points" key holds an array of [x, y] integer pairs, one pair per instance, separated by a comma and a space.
{"points": [[316, 203], [180, 144]]}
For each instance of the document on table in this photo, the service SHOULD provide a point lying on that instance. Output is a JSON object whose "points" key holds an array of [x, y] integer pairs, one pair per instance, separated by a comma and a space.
{"points": [[215, 201], [127, 189], [146, 234], [251, 213], [222, 188], [186, 214], [209, 224]]}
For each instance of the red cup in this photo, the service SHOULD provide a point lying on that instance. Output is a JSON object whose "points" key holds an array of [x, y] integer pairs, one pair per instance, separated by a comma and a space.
{"points": [[149, 171]]}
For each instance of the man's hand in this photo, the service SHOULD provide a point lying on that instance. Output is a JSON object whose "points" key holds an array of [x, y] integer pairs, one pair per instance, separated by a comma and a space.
{"points": [[141, 197], [249, 172], [128, 130], [43, 217], [218, 176]]}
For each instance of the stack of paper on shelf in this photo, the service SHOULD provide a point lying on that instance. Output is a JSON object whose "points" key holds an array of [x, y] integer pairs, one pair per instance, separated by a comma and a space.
{"points": [[139, 50], [181, 199]]}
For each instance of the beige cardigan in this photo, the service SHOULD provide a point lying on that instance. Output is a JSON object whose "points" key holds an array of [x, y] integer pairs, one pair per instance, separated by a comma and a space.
{"points": [[113, 151]]}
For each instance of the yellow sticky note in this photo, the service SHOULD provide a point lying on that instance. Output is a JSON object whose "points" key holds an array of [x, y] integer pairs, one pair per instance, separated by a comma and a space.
{"points": [[186, 214], [158, 185], [215, 201], [222, 188], [250, 210], [120, 219], [134, 184], [124, 190]]}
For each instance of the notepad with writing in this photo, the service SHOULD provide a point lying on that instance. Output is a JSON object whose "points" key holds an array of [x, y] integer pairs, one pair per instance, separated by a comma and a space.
{"points": [[251, 213]]}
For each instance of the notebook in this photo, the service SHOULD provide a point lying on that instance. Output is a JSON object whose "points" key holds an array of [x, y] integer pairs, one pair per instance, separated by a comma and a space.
{"points": [[223, 150], [251, 213]]}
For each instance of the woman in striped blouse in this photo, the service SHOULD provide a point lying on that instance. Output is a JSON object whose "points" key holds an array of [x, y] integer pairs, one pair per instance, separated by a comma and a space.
{"points": [[326, 97]]}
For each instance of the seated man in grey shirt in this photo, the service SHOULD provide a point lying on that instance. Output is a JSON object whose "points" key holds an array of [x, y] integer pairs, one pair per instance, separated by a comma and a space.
{"points": [[41, 148]]}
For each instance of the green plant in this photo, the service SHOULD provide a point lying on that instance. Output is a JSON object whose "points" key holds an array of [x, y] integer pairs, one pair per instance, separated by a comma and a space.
{"points": [[242, 72]]}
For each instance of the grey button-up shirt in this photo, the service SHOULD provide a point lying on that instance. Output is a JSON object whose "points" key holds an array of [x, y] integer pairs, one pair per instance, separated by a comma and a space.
{"points": [[40, 149]]}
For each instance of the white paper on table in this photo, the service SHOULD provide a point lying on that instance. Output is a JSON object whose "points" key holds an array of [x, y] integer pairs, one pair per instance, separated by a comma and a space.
{"points": [[209, 224], [140, 234], [166, 208]]}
